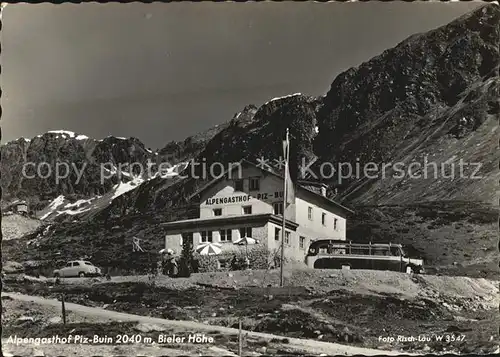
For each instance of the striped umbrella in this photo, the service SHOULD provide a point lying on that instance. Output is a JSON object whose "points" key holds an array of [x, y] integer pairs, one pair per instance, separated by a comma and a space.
{"points": [[209, 248], [246, 241]]}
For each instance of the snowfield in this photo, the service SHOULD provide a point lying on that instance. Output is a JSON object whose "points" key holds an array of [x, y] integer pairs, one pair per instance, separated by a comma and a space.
{"points": [[283, 97], [61, 205]]}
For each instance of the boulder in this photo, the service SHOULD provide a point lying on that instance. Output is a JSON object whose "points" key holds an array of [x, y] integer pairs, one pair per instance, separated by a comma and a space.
{"points": [[55, 320], [148, 327], [11, 267]]}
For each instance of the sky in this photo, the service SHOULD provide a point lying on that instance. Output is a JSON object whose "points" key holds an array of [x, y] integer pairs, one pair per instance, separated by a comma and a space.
{"points": [[162, 72]]}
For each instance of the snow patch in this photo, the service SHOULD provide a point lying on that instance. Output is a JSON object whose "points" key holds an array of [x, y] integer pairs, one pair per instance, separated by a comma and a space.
{"points": [[172, 171], [63, 133], [74, 212], [82, 137], [113, 170], [77, 203], [316, 129], [124, 187], [283, 97], [115, 137], [53, 206]]}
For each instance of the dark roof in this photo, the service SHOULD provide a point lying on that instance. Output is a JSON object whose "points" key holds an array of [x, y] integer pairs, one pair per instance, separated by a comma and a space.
{"points": [[326, 200], [312, 183], [199, 222]]}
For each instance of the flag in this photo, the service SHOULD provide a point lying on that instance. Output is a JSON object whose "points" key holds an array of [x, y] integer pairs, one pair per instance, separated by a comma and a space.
{"points": [[289, 187]]}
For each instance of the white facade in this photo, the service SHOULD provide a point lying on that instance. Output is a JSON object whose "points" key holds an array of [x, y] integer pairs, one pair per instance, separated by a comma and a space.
{"points": [[225, 205], [270, 191]]}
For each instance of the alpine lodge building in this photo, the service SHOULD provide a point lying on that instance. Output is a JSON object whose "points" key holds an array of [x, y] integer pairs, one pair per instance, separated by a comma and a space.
{"points": [[247, 202]]}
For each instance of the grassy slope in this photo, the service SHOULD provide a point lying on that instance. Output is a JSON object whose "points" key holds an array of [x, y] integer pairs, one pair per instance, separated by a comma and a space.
{"points": [[453, 237]]}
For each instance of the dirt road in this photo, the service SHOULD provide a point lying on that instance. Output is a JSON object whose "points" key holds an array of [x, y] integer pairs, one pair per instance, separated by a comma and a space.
{"points": [[308, 346]]}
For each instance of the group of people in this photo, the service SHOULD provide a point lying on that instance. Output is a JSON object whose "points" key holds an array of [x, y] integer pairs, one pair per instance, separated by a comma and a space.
{"points": [[168, 264], [174, 266], [240, 263], [171, 265]]}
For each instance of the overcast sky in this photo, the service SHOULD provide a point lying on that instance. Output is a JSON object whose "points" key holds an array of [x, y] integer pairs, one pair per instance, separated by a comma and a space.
{"points": [[162, 72]]}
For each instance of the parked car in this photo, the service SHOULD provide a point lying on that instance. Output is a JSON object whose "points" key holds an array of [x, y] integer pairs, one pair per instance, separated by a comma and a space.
{"points": [[78, 268]]}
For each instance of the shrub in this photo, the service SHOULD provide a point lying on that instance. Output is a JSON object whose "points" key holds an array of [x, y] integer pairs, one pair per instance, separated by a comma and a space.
{"points": [[258, 256], [207, 263]]}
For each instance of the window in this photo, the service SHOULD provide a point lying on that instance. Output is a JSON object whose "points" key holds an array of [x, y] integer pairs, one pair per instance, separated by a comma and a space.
{"points": [[217, 211], [277, 233], [247, 209], [302, 241], [323, 219], [226, 235], [335, 221], [278, 208], [88, 263], [238, 185], [254, 184], [310, 213], [361, 250], [287, 237], [206, 236], [75, 264], [395, 251], [186, 241], [246, 232], [380, 251], [69, 264]]}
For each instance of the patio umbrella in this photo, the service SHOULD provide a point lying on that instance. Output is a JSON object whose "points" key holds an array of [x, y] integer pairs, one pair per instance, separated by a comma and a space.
{"points": [[209, 248], [246, 241]]}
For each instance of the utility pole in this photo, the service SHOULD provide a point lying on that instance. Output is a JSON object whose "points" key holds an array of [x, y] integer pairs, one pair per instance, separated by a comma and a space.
{"points": [[240, 339], [286, 149], [63, 307]]}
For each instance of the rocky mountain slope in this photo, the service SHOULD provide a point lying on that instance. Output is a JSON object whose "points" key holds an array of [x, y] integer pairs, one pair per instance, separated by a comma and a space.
{"points": [[29, 166], [433, 97], [401, 106], [192, 146], [72, 173]]}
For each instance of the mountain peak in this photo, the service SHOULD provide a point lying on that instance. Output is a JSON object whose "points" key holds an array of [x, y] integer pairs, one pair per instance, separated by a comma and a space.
{"points": [[68, 134], [283, 97]]}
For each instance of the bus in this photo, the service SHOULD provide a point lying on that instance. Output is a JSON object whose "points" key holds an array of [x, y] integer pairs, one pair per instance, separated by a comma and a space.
{"points": [[337, 254]]}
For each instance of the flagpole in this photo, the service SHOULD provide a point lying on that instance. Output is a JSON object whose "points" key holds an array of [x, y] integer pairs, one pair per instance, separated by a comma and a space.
{"points": [[282, 278]]}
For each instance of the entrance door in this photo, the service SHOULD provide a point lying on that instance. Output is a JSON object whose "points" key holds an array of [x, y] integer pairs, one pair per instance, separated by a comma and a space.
{"points": [[187, 241], [188, 246]]}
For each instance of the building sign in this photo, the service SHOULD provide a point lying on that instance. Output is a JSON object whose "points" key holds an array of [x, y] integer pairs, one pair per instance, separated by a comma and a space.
{"points": [[269, 195], [226, 200], [263, 196]]}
